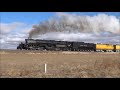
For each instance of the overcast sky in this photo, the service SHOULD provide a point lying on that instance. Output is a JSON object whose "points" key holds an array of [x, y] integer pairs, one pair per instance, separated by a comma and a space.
{"points": [[15, 26]]}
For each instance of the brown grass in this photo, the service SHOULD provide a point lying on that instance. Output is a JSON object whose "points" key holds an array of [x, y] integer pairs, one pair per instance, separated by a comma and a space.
{"points": [[30, 64]]}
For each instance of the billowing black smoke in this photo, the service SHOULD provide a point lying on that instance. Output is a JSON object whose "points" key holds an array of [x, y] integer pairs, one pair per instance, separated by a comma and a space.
{"points": [[75, 27]]}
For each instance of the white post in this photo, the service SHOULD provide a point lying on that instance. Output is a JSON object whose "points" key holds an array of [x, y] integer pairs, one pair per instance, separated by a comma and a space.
{"points": [[45, 68]]}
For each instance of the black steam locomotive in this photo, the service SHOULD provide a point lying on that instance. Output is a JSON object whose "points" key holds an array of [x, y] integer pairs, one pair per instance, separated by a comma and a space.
{"points": [[52, 45]]}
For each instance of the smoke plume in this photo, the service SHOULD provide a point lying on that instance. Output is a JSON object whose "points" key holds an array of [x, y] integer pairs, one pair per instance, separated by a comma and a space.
{"points": [[65, 26]]}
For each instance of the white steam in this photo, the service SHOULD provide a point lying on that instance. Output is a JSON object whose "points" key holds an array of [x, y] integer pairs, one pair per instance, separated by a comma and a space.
{"points": [[73, 27]]}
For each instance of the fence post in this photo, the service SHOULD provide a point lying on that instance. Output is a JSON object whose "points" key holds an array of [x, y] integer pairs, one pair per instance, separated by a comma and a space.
{"points": [[45, 68]]}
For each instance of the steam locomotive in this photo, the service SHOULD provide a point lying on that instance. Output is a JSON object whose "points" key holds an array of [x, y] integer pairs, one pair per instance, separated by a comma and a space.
{"points": [[52, 45]]}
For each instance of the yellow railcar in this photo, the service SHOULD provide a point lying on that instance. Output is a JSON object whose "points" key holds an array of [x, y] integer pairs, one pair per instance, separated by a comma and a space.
{"points": [[117, 47], [104, 47]]}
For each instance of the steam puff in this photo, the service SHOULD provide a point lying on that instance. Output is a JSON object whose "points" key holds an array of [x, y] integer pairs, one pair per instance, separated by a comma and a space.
{"points": [[64, 36], [81, 37], [74, 27]]}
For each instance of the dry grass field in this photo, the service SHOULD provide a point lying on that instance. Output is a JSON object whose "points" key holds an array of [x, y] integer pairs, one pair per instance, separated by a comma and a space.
{"points": [[30, 64]]}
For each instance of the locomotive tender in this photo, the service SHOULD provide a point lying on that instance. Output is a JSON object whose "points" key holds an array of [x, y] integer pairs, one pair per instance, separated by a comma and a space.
{"points": [[52, 45]]}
